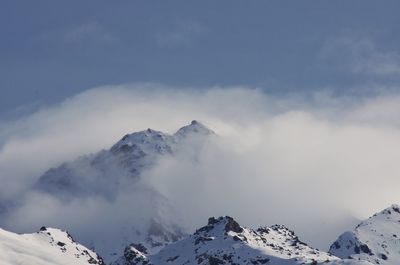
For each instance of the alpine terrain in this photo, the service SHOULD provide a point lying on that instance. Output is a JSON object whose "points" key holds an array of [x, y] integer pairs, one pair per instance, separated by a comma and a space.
{"points": [[49, 246], [161, 240]]}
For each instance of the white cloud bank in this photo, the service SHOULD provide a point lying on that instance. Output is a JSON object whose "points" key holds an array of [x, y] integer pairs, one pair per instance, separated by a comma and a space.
{"points": [[312, 163]]}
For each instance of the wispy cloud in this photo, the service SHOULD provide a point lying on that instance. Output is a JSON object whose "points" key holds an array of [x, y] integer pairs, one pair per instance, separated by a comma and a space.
{"points": [[91, 31], [361, 55], [180, 33]]}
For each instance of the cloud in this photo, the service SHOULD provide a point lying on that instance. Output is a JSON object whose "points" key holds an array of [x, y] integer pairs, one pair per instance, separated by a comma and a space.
{"points": [[361, 55], [107, 226], [91, 31], [180, 33], [98, 122], [91, 34], [314, 163]]}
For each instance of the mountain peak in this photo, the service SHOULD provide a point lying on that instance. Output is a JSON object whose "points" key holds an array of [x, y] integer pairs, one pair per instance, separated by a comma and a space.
{"points": [[141, 136], [375, 239], [223, 224], [194, 128], [224, 241], [155, 138], [47, 246], [145, 140]]}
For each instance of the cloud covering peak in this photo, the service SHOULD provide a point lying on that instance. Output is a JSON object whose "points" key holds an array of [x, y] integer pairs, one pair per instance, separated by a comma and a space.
{"points": [[299, 160]]}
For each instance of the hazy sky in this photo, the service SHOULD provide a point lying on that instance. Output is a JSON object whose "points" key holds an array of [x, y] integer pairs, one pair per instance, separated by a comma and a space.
{"points": [[53, 49]]}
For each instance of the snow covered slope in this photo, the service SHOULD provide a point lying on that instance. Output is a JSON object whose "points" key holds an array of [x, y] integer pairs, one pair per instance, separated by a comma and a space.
{"points": [[224, 241], [49, 246], [376, 239], [108, 171], [221, 241], [114, 176]]}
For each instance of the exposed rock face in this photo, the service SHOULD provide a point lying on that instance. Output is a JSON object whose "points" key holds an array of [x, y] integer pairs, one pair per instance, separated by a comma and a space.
{"points": [[132, 256], [232, 225]]}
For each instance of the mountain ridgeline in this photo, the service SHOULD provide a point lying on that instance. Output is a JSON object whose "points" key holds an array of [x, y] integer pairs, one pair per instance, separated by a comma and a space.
{"points": [[222, 241], [117, 172]]}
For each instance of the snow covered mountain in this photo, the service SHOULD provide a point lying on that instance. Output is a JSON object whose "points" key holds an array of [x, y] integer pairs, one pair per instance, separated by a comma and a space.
{"points": [[107, 171], [114, 175], [224, 241], [157, 238], [376, 239], [49, 246], [221, 241]]}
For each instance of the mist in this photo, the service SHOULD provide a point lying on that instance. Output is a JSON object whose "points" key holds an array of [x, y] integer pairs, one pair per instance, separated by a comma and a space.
{"points": [[317, 163]]}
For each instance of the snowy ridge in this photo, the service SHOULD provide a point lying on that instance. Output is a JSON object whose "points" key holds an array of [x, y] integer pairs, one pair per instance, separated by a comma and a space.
{"points": [[224, 241], [149, 141], [376, 239], [49, 246], [221, 241]]}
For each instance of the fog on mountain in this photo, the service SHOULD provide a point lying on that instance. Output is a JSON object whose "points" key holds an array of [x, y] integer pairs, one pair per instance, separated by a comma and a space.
{"points": [[297, 163]]}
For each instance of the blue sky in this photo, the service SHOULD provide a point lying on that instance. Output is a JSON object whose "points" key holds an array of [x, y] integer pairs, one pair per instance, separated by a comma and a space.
{"points": [[51, 50]]}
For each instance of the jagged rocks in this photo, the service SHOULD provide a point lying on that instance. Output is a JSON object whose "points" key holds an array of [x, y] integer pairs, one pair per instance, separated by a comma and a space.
{"points": [[224, 241], [232, 225]]}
